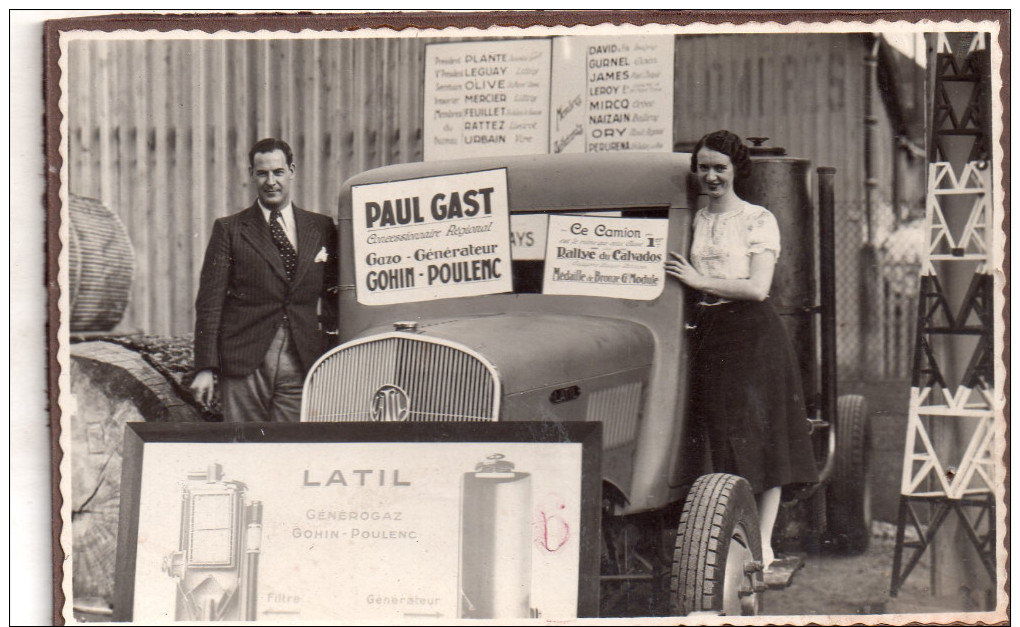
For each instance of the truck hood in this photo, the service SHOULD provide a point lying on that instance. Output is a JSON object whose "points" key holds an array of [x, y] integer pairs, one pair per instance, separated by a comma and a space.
{"points": [[533, 351]]}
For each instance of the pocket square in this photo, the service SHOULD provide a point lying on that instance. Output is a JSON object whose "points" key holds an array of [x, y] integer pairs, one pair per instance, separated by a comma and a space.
{"points": [[322, 256]]}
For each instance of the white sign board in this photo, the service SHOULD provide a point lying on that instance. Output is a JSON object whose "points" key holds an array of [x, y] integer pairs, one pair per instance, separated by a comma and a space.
{"points": [[612, 94], [527, 235], [379, 531], [437, 237], [486, 98], [604, 256]]}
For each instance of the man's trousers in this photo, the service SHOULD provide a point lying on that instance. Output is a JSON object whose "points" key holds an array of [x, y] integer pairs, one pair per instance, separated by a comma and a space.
{"points": [[270, 394]]}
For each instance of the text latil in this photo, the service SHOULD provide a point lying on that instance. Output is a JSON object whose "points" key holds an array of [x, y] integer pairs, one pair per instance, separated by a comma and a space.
{"points": [[358, 478]]}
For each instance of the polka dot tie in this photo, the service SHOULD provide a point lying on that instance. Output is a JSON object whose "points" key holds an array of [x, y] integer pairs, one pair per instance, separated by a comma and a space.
{"points": [[287, 252]]}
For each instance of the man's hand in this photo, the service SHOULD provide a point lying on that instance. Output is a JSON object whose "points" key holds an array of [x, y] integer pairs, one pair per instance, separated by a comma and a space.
{"points": [[204, 387]]}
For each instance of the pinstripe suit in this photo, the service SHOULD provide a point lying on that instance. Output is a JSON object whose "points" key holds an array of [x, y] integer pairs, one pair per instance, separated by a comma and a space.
{"points": [[244, 294]]}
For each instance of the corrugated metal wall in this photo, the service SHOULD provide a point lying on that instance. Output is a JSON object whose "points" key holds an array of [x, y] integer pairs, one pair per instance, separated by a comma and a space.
{"points": [[159, 132], [803, 92]]}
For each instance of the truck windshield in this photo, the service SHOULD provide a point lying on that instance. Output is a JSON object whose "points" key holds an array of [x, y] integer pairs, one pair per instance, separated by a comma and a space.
{"points": [[585, 248]]}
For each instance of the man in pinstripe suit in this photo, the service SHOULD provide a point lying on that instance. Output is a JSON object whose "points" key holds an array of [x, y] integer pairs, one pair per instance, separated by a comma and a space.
{"points": [[267, 272]]}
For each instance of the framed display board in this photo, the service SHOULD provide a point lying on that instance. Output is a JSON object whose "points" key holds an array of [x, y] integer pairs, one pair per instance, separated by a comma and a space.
{"points": [[353, 521]]}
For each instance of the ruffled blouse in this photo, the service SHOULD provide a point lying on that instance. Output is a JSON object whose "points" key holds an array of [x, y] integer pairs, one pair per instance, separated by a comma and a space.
{"points": [[724, 242]]}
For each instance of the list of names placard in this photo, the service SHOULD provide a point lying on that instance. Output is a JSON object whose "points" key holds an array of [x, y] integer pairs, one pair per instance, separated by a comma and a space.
{"points": [[486, 98], [612, 94]]}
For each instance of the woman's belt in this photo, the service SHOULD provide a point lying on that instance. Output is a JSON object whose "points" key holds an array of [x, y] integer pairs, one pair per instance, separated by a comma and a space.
{"points": [[710, 300]]}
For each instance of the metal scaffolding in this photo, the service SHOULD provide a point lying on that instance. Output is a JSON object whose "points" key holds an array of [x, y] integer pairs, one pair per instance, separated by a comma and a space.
{"points": [[934, 475]]}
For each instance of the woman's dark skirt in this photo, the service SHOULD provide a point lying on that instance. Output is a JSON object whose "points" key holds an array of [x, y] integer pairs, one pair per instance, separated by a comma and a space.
{"points": [[746, 395]]}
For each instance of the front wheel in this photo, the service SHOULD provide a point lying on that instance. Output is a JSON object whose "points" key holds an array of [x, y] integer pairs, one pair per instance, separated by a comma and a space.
{"points": [[717, 560]]}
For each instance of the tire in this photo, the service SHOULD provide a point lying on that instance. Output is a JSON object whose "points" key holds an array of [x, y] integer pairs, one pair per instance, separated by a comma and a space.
{"points": [[848, 495], [717, 558], [816, 516]]}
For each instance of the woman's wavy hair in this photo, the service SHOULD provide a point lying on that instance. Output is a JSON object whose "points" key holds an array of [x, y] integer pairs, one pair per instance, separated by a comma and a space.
{"points": [[730, 145]]}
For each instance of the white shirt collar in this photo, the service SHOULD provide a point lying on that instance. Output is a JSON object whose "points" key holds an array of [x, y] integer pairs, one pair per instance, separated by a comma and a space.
{"points": [[287, 213]]}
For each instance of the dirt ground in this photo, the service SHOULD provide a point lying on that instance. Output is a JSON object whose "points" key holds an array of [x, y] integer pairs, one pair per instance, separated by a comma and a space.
{"points": [[859, 584], [827, 585]]}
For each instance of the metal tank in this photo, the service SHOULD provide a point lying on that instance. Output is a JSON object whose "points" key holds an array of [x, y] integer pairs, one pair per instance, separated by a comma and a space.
{"points": [[782, 185]]}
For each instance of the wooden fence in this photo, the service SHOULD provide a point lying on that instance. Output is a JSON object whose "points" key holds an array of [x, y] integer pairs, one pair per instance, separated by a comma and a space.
{"points": [[160, 129], [898, 304]]}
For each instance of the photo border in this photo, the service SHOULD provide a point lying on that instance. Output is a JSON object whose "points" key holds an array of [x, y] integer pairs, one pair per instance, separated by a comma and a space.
{"points": [[398, 21]]}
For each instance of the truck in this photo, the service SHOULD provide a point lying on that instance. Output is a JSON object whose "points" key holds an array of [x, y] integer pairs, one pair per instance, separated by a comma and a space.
{"points": [[574, 330]]}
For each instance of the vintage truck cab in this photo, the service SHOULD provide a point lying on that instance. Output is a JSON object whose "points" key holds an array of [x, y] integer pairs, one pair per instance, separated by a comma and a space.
{"points": [[574, 321]]}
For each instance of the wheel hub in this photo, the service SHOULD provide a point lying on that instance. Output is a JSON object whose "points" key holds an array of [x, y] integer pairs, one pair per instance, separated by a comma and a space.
{"points": [[740, 586]]}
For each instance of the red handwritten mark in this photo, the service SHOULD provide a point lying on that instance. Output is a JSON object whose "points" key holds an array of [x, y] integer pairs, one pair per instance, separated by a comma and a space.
{"points": [[551, 531]]}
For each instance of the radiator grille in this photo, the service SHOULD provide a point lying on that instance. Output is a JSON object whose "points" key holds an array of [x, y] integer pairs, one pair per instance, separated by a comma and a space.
{"points": [[617, 408], [443, 382]]}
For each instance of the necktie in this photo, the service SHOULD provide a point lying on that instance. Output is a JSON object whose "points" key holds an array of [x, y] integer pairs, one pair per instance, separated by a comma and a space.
{"points": [[287, 252]]}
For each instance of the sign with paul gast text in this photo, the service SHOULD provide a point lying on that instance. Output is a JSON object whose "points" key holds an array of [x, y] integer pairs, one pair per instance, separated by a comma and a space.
{"points": [[436, 237], [486, 98], [605, 256]]}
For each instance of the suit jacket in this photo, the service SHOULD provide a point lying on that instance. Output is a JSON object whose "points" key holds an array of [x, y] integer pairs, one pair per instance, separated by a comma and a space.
{"points": [[244, 293]]}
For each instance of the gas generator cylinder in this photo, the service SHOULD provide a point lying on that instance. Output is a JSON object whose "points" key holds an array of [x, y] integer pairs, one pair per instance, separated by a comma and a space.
{"points": [[495, 542], [781, 184]]}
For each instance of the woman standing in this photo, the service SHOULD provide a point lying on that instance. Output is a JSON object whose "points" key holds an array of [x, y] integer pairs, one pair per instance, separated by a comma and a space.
{"points": [[745, 389]]}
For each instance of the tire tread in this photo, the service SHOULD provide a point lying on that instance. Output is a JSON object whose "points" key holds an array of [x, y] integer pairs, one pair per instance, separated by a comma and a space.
{"points": [[698, 559], [846, 519]]}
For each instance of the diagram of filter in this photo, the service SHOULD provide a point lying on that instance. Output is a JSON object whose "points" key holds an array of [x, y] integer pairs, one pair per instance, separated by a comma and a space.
{"points": [[216, 565]]}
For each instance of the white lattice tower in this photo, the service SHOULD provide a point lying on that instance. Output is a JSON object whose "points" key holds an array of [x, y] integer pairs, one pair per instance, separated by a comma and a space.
{"points": [[975, 472], [943, 45], [949, 466], [925, 473], [975, 241]]}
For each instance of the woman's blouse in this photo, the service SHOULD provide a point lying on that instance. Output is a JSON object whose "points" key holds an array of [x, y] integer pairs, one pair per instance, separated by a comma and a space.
{"points": [[724, 242]]}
